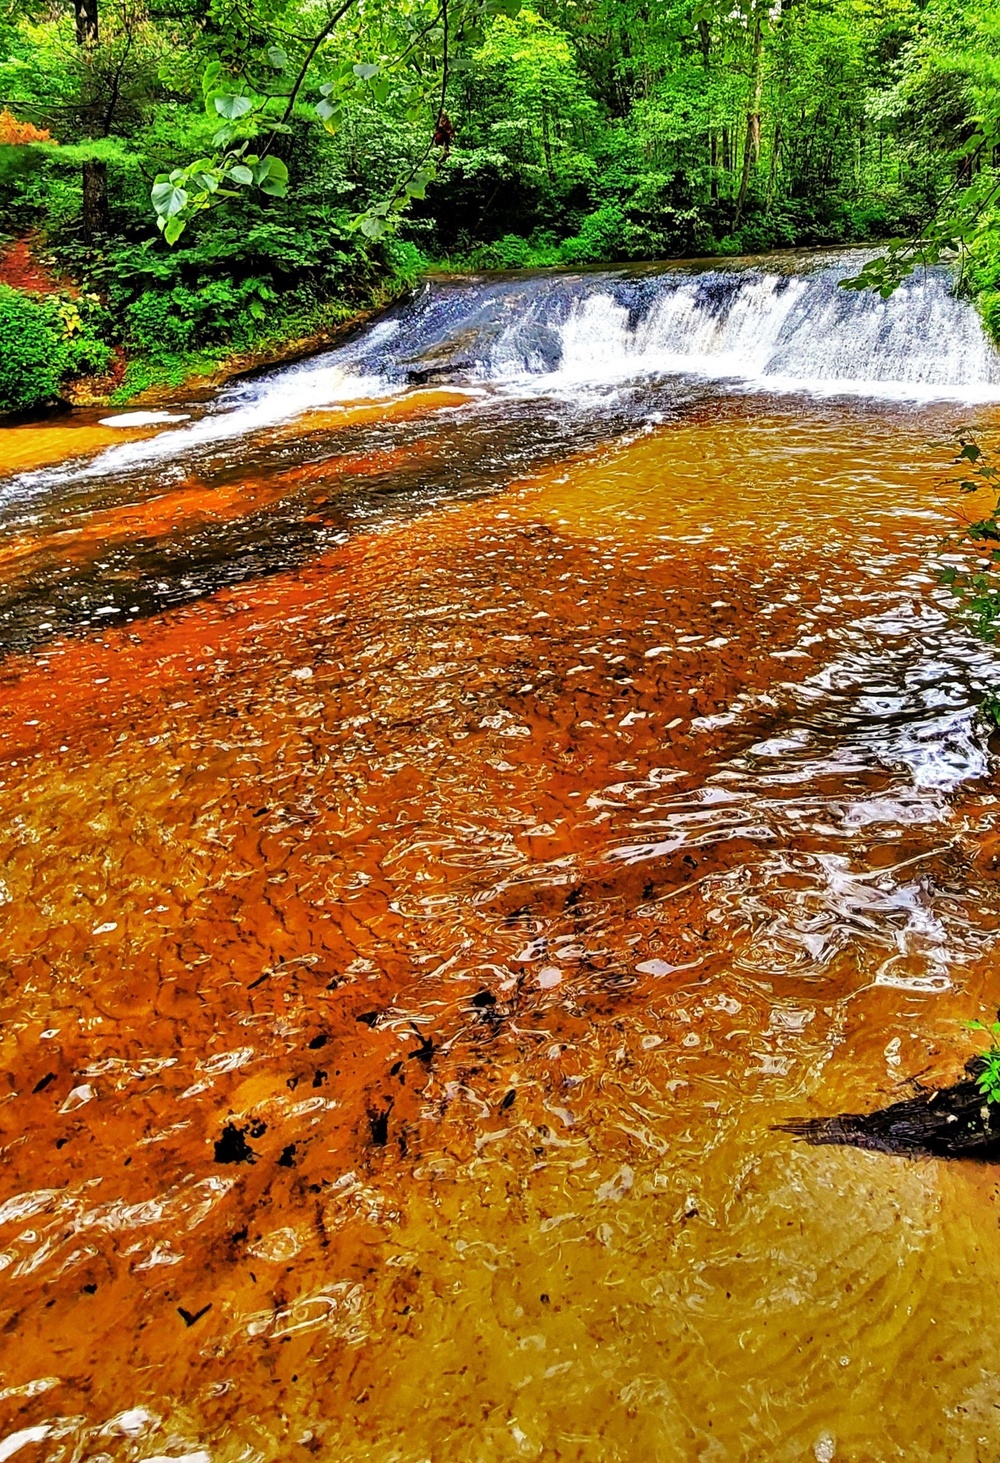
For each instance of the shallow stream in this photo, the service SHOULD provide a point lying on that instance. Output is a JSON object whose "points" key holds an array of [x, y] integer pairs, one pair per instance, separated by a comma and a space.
{"points": [[483, 780]]}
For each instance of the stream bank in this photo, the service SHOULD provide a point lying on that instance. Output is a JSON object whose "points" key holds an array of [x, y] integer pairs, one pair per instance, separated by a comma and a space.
{"points": [[129, 375]]}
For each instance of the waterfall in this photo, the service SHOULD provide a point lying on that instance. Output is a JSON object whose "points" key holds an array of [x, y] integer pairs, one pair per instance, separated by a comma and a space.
{"points": [[785, 327], [768, 330]]}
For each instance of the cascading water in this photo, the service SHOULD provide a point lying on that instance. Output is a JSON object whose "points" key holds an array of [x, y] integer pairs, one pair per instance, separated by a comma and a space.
{"points": [[776, 328], [768, 328]]}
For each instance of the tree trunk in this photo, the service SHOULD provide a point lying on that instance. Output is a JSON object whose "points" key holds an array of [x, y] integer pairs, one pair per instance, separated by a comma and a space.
{"points": [[773, 174], [547, 147], [751, 150], [705, 44], [95, 174], [85, 12], [95, 199]]}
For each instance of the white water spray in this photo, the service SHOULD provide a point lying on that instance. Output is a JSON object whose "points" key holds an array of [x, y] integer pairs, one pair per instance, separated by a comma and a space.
{"points": [[572, 336]]}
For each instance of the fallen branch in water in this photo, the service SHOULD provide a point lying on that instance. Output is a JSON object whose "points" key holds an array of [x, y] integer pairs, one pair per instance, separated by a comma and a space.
{"points": [[946, 1122]]}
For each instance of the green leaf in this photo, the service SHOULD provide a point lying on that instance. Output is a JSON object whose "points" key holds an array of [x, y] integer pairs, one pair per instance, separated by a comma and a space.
{"points": [[231, 106], [372, 228], [174, 228], [271, 176], [277, 57], [210, 76], [257, 310], [242, 175], [168, 199], [365, 70]]}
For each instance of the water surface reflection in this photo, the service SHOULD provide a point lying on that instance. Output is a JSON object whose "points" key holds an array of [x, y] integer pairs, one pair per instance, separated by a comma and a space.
{"points": [[488, 875]]}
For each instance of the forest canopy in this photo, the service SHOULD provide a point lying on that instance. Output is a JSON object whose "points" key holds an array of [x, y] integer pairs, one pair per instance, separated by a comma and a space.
{"points": [[214, 170]]}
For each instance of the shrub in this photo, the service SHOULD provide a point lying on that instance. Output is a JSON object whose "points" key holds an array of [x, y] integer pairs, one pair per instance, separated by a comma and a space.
{"points": [[601, 237], [33, 360]]}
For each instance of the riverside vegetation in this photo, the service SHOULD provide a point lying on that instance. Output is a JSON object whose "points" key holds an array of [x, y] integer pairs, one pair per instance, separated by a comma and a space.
{"points": [[218, 176]]}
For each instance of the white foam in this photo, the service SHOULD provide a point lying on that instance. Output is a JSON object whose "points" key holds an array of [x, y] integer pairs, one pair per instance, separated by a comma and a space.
{"points": [[802, 335], [145, 418]]}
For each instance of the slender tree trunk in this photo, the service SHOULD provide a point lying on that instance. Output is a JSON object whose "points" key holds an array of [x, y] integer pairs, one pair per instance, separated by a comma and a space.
{"points": [[95, 174], [773, 172], [547, 147], [751, 148], [705, 44], [95, 199]]}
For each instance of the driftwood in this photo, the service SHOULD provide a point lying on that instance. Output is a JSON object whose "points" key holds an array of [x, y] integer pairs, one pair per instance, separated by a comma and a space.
{"points": [[946, 1122]]}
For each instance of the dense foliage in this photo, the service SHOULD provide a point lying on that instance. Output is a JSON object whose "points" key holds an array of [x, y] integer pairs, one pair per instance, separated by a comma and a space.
{"points": [[222, 171], [31, 362], [45, 340]]}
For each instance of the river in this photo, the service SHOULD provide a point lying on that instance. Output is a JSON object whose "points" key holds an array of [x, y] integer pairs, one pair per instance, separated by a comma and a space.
{"points": [[458, 795]]}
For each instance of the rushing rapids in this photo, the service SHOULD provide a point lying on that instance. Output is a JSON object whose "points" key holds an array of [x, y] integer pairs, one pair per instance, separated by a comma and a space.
{"points": [[461, 796]]}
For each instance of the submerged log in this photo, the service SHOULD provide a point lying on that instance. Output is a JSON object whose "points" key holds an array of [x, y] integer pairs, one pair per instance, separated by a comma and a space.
{"points": [[946, 1122]]}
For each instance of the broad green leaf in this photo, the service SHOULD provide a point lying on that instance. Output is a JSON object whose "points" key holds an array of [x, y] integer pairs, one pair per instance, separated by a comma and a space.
{"points": [[277, 57], [273, 168], [232, 106], [365, 70], [173, 230], [271, 176], [242, 175], [168, 199]]}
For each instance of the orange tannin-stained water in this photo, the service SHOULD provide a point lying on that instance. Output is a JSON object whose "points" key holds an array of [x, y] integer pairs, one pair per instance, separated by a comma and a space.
{"points": [[411, 940]]}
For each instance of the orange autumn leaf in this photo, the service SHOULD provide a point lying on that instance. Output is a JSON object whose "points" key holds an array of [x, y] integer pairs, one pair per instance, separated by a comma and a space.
{"points": [[13, 132]]}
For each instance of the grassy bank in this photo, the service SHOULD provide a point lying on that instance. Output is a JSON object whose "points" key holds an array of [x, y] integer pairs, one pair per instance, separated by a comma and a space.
{"points": [[111, 338]]}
